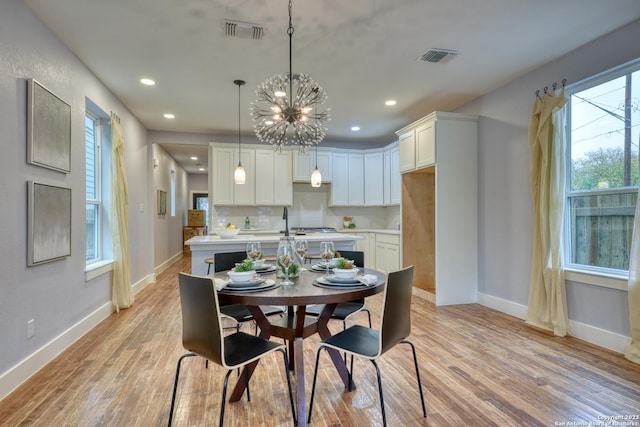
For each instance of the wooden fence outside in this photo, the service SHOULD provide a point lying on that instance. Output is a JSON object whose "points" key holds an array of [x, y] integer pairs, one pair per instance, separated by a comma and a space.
{"points": [[602, 228]]}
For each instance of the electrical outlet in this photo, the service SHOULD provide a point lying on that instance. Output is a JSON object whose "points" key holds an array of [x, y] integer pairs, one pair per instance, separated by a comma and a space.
{"points": [[31, 328]]}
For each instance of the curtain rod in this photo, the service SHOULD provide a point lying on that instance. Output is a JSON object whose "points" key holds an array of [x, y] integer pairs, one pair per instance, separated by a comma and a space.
{"points": [[554, 87], [117, 119]]}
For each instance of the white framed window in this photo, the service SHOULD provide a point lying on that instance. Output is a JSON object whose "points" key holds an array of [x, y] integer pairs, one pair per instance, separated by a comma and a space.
{"points": [[603, 133], [97, 157]]}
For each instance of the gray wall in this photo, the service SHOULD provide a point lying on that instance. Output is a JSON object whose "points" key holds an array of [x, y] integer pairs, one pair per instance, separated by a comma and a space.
{"points": [[55, 294], [505, 218]]}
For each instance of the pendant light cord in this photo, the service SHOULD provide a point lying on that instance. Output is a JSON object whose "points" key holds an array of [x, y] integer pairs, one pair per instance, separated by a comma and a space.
{"points": [[239, 83], [290, 33]]}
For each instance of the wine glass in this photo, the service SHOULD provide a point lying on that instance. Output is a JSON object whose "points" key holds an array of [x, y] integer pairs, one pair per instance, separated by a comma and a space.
{"points": [[327, 252], [254, 250], [286, 254], [302, 247]]}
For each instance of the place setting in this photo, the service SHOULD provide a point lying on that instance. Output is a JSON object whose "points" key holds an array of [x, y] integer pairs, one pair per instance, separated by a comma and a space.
{"points": [[243, 278], [349, 278]]}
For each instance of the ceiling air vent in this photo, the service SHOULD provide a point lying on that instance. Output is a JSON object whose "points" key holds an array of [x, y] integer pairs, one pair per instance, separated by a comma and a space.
{"points": [[243, 30], [437, 55]]}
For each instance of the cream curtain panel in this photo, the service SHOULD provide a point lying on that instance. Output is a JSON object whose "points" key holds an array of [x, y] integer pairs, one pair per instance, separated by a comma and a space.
{"points": [[633, 352], [547, 294], [121, 293]]}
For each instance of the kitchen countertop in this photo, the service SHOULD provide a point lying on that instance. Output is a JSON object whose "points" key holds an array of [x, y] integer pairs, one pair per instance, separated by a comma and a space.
{"points": [[273, 237], [203, 247], [370, 230]]}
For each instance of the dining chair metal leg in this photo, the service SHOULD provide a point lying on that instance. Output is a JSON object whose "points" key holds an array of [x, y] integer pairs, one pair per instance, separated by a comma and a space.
{"points": [[224, 396], [313, 385], [415, 362], [175, 385], [384, 415]]}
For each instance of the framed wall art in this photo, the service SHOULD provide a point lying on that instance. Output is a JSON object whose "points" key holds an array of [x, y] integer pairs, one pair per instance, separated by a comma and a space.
{"points": [[48, 129], [162, 202], [49, 223]]}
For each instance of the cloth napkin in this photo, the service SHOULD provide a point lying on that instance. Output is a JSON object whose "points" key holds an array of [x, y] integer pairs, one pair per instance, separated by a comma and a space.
{"points": [[368, 279], [220, 283]]}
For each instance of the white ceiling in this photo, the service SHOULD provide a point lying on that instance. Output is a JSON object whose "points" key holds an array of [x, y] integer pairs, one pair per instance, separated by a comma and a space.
{"points": [[362, 52]]}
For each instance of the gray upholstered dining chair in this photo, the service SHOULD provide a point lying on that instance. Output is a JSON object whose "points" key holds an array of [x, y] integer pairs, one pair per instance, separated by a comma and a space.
{"points": [[240, 313], [344, 310], [202, 336], [395, 327]]}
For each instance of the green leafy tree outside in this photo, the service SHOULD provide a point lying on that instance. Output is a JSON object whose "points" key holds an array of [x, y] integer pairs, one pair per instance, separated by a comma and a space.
{"points": [[602, 169]]}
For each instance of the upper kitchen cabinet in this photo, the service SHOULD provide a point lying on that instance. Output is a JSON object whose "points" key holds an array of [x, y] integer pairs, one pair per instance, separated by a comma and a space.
{"points": [[347, 188], [305, 163], [273, 178], [374, 178], [392, 176], [223, 161], [420, 141]]}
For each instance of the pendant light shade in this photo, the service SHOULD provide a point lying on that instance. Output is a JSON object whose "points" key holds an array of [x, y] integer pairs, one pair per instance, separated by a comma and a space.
{"points": [[239, 175], [316, 176]]}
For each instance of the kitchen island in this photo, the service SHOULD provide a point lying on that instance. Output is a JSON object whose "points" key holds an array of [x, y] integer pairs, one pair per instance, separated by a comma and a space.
{"points": [[206, 246]]}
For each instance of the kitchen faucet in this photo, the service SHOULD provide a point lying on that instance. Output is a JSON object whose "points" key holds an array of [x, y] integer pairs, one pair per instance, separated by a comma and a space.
{"points": [[285, 216]]}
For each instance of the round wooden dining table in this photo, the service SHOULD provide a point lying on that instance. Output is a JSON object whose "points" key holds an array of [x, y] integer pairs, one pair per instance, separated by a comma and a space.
{"points": [[296, 325]]}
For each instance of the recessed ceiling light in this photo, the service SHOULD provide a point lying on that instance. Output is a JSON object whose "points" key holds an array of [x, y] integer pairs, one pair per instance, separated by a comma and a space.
{"points": [[147, 82], [194, 158], [355, 128], [200, 169], [169, 116], [390, 102]]}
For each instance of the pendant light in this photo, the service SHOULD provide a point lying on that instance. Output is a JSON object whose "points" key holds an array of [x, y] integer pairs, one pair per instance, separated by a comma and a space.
{"points": [[316, 176], [239, 175]]}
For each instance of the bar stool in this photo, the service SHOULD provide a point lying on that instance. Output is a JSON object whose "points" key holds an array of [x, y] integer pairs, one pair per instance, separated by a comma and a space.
{"points": [[209, 262]]}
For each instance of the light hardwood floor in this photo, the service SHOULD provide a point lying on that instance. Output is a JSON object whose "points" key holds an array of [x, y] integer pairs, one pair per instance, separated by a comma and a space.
{"points": [[479, 367]]}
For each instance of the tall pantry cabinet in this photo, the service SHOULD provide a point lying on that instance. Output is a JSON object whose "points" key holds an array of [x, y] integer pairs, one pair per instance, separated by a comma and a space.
{"points": [[439, 166]]}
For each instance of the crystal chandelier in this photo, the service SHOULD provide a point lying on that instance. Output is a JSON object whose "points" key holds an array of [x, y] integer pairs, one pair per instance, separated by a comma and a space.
{"points": [[285, 112]]}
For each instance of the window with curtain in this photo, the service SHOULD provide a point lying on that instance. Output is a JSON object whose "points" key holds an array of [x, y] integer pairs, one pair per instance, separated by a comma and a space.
{"points": [[603, 133], [97, 146]]}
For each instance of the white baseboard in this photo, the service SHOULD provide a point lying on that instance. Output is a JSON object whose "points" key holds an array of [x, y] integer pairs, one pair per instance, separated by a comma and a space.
{"points": [[21, 372], [600, 337], [162, 267]]}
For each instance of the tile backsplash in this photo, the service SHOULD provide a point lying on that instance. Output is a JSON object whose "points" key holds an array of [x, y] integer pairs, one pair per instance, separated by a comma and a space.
{"points": [[310, 209]]}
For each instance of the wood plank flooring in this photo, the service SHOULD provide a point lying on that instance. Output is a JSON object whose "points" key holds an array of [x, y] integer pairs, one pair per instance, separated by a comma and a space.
{"points": [[479, 367]]}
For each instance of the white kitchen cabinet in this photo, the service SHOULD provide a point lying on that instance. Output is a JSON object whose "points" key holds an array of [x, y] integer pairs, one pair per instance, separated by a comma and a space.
{"points": [[440, 207], [305, 163], [225, 192], [407, 144], [273, 178], [426, 144], [395, 177], [392, 176], [366, 247], [387, 252], [347, 188], [340, 184], [374, 178], [356, 179]]}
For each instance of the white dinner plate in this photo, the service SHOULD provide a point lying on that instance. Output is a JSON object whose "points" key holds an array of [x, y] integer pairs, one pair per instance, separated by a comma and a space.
{"points": [[265, 286], [352, 284], [335, 279], [249, 284], [266, 268]]}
